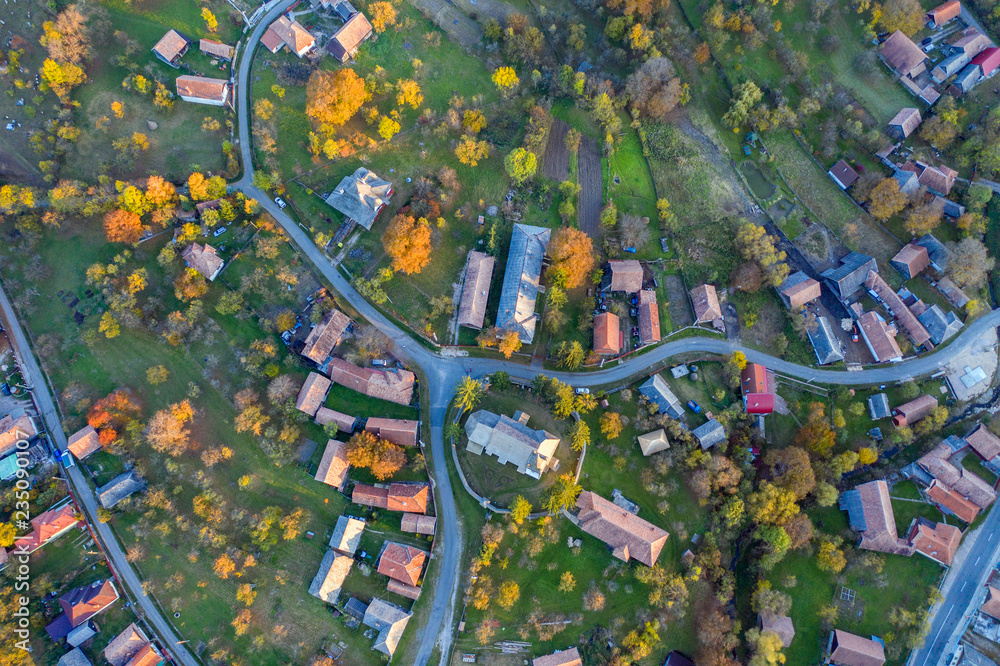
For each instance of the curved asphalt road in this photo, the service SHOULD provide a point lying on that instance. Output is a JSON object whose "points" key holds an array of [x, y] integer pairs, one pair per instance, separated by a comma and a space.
{"points": [[443, 373]]}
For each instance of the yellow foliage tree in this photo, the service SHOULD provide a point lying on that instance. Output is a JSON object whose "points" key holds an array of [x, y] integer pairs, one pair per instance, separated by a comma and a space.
{"points": [[61, 78], [387, 128], [211, 22], [333, 97], [408, 92], [407, 241], [383, 15], [470, 152], [505, 79]]}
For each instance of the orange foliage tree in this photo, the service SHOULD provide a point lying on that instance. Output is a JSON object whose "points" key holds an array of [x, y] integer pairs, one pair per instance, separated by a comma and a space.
{"points": [[190, 285], [121, 226], [333, 97], [408, 242], [109, 414], [572, 253], [383, 458], [159, 192]]}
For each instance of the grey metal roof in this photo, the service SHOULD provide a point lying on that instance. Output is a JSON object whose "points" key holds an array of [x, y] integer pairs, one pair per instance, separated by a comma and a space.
{"points": [[361, 196], [955, 443], [939, 254], [950, 208], [81, 634], [657, 391], [850, 501], [119, 488], [356, 608], [908, 181], [941, 326], [967, 78], [825, 342], [74, 657], [878, 406], [850, 275], [709, 433], [949, 66], [520, 280]]}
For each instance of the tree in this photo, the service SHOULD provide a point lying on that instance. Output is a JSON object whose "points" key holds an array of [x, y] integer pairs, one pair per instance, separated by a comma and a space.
{"points": [[7, 535], [211, 22], [121, 226], [654, 89], [387, 128], [61, 78], [246, 594], [510, 592], [408, 243], [745, 97], [520, 509], [159, 192], [816, 434], [109, 326], [830, 558], [771, 504], [572, 254], [825, 494], [938, 132], [67, 39], [509, 343], [567, 582], [886, 199], [157, 374], [767, 600], [923, 219], [562, 495], [189, 285], [579, 435], [333, 97], [766, 647], [792, 470], [505, 79], [755, 244], [468, 393], [166, 431], [571, 354], [470, 152], [383, 15], [611, 425], [224, 566], [594, 599], [474, 122], [970, 263], [633, 231], [521, 165], [383, 458], [408, 92], [734, 368], [906, 16]]}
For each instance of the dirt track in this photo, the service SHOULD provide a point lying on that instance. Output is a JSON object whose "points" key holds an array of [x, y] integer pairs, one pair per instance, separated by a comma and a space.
{"points": [[591, 187], [556, 162]]}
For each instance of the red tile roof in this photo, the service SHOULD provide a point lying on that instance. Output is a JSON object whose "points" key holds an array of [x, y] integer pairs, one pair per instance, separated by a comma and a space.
{"points": [[937, 541], [83, 603], [606, 333], [759, 403], [988, 60], [395, 386], [649, 317], [914, 410], [84, 442], [398, 431], [629, 536], [352, 34], [47, 526], [626, 276], [408, 497], [950, 499], [983, 442], [217, 49], [853, 650], [945, 12], [325, 336], [312, 394], [401, 562], [880, 534], [992, 605], [570, 657], [914, 258], [417, 523], [202, 87], [476, 289], [171, 46], [706, 304], [906, 319], [753, 379], [333, 467]]}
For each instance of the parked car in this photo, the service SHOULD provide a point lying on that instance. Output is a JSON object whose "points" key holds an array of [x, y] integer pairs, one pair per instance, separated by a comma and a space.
{"points": [[926, 41], [280, 202], [854, 333], [582, 391], [379, 362], [693, 406], [67, 459], [633, 312], [220, 231]]}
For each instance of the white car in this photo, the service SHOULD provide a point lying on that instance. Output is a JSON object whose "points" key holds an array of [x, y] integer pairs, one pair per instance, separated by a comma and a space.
{"points": [[583, 391], [278, 201]]}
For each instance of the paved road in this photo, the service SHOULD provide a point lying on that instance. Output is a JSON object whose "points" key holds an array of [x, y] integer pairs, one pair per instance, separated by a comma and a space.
{"points": [[950, 616], [443, 373], [85, 497]]}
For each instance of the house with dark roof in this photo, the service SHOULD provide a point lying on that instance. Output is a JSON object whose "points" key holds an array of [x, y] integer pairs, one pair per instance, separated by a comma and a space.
{"points": [[825, 343], [709, 434], [950, 208], [81, 634], [950, 66], [119, 488], [939, 255], [707, 310], [891, 301], [847, 649], [911, 260], [74, 657], [843, 174], [569, 657], [902, 56], [966, 79], [312, 394], [356, 608], [519, 294], [531, 451], [325, 335], [878, 406], [944, 12], [940, 325], [607, 332], [389, 621], [657, 391], [649, 318], [476, 289], [799, 289], [908, 181], [333, 466], [779, 624], [80, 604], [402, 432], [344, 43], [361, 197], [171, 47], [622, 276], [628, 536], [850, 275], [904, 123]]}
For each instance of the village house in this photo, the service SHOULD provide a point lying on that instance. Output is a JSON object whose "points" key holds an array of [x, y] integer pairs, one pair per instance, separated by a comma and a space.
{"points": [[132, 648], [880, 338], [951, 502], [843, 174], [14, 427], [476, 289], [939, 324], [908, 181], [204, 259], [649, 318], [628, 536], [607, 332], [904, 123], [119, 488], [653, 442], [330, 577], [511, 441], [894, 304], [911, 260], [389, 621], [991, 606], [325, 336], [216, 49], [779, 624], [81, 634], [847, 649], [333, 466], [286, 32], [955, 296], [47, 527], [345, 422], [398, 431], [878, 406], [79, 605], [171, 47], [392, 385], [902, 56], [657, 392], [401, 562], [312, 394], [937, 465], [987, 61], [707, 310], [407, 497], [757, 389], [944, 13], [569, 657], [914, 410], [798, 289], [361, 197], [341, 8], [203, 90], [418, 524], [969, 42], [936, 251], [346, 536], [709, 434], [824, 341], [849, 276], [84, 442], [937, 180], [622, 276], [936, 541], [344, 43], [521, 279], [950, 66], [869, 512]]}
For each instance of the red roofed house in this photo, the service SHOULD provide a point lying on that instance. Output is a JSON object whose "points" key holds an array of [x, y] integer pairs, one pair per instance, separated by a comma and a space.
{"points": [[417, 523], [349, 38], [288, 33], [81, 604], [407, 497], [904, 316], [204, 259], [988, 61], [333, 466], [84, 442], [394, 386], [312, 394], [606, 334], [869, 511], [629, 536], [570, 657], [944, 13], [649, 318], [911, 260], [757, 388], [171, 47], [843, 174], [345, 422], [984, 443], [706, 306], [904, 123], [992, 604], [936, 541], [880, 338], [902, 56], [325, 336], [398, 431], [914, 410], [403, 563], [47, 526], [847, 649], [799, 289], [203, 90], [951, 502], [126, 646]]}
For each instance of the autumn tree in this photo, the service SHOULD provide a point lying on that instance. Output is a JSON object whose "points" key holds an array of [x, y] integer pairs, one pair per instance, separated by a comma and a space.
{"points": [[654, 89], [572, 253], [157, 374], [121, 226], [407, 241], [611, 425], [224, 566], [567, 582], [333, 97], [189, 285], [745, 98], [67, 39], [211, 22], [383, 458], [970, 263], [923, 219], [771, 504], [830, 558], [471, 152], [159, 192], [792, 470], [563, 494], [408, 93], [468, 393], [508, 595], [886, 199], [756, 245], [816, 434], [383, 15], [505, 79], [521, 164], [61, 78], [906, 16], [520, 509], [765, 648], [166, 431], [579, 435]]}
